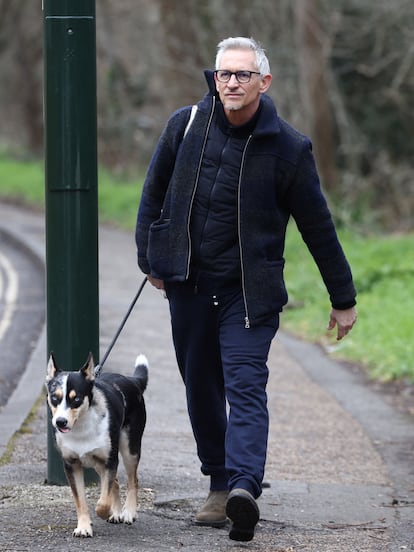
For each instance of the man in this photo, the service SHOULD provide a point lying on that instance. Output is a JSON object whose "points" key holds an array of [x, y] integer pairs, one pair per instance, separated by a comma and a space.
{"points": [[211, 226]]}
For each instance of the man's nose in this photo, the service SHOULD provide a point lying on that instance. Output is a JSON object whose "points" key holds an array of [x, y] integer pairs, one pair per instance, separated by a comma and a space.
{"points": [[233, 80]]}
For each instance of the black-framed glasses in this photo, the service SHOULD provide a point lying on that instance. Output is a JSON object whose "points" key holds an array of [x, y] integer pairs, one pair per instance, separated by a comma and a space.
{"points": [[242, 76]]}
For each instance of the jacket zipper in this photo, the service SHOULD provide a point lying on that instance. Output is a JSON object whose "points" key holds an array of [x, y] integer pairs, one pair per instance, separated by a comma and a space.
{"points": [[246, 318], [196, 185]]}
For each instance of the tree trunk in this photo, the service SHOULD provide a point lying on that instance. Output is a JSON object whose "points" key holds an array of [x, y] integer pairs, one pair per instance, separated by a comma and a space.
{"points": [[184, 61], [314, 86]]}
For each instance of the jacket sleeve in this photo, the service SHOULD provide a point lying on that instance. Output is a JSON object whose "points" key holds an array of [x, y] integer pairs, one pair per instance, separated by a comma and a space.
{"points": [[313, 218], [156, 182]]}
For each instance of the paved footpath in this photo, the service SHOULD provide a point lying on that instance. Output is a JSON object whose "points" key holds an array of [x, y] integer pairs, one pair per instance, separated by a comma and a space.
{"points": [[340, 464]]}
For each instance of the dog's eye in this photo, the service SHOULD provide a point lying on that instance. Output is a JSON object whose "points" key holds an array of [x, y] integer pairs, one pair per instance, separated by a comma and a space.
{"points": [[76, 402], [55, 400]]}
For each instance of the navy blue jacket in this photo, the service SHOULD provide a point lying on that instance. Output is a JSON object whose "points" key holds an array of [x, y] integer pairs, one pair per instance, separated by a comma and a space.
{"points": [[278, 179]]}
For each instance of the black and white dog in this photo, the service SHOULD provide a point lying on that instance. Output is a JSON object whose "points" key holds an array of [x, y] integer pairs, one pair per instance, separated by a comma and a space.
{"points": [[94, 421]]}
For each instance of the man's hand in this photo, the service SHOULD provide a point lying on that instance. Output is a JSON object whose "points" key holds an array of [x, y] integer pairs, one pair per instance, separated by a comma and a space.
{"points": [[159, 284], [344, 320]]}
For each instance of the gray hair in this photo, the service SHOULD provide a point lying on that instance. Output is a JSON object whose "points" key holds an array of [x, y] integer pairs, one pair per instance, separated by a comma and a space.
{"points": [[243, 43]]}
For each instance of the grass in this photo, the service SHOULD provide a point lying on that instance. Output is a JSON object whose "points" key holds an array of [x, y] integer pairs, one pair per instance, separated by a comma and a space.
{"points": [[383, 268], [24, 182], [24, 429]]}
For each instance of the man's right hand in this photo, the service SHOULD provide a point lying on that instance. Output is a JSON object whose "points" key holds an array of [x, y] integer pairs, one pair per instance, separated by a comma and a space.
{"points": [[159, 284]]}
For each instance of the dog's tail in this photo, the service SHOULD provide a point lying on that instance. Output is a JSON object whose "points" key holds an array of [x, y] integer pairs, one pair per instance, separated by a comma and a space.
{"points": [[141, 371]]}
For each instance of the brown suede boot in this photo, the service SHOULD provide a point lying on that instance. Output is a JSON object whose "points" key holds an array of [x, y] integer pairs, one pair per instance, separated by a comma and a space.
{"points": [[213, 512]]}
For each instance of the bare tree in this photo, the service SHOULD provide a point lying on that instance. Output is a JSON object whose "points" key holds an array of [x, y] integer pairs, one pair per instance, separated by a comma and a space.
{"points": [[20, 62], [313, 53], [184, 61]]}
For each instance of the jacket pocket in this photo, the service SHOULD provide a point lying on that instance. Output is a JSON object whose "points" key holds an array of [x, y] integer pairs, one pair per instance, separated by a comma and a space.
{"points": [[277, 282], [267, 292], [159, 248]]}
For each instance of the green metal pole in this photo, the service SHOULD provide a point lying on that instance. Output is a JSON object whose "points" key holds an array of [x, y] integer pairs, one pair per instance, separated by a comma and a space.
{"points": [[71, 190]]}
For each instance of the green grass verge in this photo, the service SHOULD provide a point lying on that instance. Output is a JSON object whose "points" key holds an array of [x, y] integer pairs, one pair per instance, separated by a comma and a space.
{"points": [[25, 428], [24, 182], [383, 267]]}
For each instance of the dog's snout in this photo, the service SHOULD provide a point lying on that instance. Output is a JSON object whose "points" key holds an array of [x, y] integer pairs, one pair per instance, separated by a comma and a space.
{"points": [[61, 423]]}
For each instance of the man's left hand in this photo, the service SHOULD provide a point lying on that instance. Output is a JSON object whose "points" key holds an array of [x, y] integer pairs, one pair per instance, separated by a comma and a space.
{"points": [[344, 320]]}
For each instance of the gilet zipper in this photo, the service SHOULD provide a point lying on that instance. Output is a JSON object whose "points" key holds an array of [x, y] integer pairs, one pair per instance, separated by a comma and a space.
{"points": [[246, 318], [196, 185]]}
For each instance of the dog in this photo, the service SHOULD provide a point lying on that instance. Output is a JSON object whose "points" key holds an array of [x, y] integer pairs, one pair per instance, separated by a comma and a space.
{"points": [[95, 420]]}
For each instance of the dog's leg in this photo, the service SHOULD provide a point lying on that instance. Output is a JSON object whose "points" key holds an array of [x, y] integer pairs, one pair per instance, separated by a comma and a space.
{"points": [[129, 512], [74, 475], [109, 503], [116, 509]]}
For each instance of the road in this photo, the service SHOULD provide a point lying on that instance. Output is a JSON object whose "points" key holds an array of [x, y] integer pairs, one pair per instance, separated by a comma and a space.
{"points": [[9, 287], [22, 310]]}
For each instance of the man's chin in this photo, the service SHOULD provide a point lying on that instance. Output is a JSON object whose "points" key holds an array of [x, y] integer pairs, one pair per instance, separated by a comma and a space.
{"points": [[232, 107]]}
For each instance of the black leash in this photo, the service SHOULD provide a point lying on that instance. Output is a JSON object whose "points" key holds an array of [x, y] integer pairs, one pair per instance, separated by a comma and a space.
{"points": [[99, 366]]}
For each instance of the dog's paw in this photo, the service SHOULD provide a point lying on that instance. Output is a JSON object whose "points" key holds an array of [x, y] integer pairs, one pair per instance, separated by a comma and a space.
{"points": [[115, 518], [128, 517], [103, 511], [83, 531]]}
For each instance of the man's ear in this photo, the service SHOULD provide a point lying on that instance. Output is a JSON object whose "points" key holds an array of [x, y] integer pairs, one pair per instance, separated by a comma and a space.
{"points": [[265, 83]]}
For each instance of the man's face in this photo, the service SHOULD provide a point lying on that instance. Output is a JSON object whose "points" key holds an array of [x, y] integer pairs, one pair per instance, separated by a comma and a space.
{"points": [[241, 101]]}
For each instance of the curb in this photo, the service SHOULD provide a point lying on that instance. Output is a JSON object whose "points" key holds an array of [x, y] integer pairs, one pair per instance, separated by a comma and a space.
{"points": [[30, 385]]}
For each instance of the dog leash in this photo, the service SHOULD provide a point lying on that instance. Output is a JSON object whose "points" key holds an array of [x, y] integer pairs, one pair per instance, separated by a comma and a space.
{"points": [[99, 366]]}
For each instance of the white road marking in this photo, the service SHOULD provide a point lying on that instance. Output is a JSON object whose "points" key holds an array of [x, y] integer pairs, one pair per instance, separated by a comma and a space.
{"points": [[9, 288]]}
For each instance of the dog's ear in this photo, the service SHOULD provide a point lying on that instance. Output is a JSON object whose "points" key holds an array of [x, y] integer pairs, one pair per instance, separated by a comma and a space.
{"points": [[52, 369], [88, 370]]}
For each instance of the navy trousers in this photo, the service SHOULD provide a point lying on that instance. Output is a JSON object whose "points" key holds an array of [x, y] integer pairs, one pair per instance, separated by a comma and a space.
{"points": [[223, 366]]}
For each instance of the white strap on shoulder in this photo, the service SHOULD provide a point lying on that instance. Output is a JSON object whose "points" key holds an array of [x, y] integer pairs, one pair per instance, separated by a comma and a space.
{"points": [[190, 120]]}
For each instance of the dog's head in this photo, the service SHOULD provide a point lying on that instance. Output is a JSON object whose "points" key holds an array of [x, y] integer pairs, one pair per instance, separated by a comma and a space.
{"points": [[69, 394]]}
